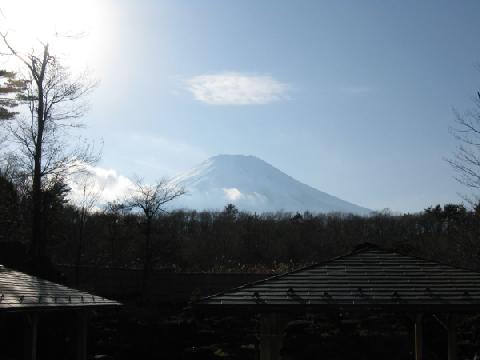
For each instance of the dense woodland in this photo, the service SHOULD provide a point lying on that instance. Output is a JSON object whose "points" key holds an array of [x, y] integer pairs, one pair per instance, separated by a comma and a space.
{"points": [[228, 240]]}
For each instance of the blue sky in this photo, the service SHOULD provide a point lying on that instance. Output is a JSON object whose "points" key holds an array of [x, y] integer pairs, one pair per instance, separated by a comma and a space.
{"points": [[352, 97]]}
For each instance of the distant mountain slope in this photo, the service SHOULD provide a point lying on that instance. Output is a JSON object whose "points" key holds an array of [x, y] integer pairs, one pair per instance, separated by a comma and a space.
{"points": [[253, 185]]}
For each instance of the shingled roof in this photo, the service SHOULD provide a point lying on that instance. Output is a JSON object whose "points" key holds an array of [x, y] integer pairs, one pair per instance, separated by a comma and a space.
{"points": [[367, 277], [20, 291]]}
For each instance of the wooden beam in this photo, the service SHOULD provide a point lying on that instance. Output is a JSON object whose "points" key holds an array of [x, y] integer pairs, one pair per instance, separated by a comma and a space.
{"points": [[272, 327], [31, 336], [440, 321], [82, 334], [419, 337], [452, 337]]}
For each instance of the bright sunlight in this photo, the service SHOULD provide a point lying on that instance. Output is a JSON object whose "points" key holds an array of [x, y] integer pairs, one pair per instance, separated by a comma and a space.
{"points": [[77, 30]]}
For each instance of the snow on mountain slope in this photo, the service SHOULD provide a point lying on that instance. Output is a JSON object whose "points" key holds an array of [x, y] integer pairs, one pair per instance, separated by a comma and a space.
{"points": [[253, 185]]}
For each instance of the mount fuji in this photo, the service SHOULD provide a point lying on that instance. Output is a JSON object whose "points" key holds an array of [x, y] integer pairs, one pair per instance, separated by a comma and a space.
{"points": [[253, 185]]}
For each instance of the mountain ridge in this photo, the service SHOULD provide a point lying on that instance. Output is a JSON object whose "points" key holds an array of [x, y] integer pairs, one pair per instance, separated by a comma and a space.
{"points": [[252, 184]]}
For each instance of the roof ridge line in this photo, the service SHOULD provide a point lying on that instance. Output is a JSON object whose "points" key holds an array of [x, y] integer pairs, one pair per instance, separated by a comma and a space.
{"points": [[278, 275], [369, 246], [364, 247], [432, 261]]}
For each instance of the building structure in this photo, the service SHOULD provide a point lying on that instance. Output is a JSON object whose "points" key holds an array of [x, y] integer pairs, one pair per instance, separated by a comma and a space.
{"points": [[369, 279], [30, 298]]}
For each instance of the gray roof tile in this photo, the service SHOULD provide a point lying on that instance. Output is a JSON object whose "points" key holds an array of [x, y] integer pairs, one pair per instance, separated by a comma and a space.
{"points": [[369, 277], [20, 291]]}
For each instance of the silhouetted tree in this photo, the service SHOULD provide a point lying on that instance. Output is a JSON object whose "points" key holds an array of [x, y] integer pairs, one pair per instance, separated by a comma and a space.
{"points": [[55, 102], [150, 200], [226, 233], [9, 210], [10, 89], [85, 202], [466, 160], [114, 211]]}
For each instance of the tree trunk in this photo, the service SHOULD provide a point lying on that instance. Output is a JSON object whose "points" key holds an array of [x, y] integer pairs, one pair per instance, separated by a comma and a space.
{"points": [[147, 257], [38, 246], [38, 241], [78, 257], [112, 251], [36, 209]]}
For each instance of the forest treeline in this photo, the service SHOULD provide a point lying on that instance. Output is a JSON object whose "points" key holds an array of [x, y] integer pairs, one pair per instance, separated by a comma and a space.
{"points": [[228, 240]]}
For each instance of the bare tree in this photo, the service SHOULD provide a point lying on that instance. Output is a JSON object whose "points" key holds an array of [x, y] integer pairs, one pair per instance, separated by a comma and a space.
{"points": [[466, 160], [150, 200], [55, 102], [114, 211], [86, 202]]}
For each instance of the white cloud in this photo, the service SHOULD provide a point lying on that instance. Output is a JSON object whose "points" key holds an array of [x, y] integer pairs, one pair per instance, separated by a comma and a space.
{"points": [[232, 193], [152, 157], [102, 184], [232, 88]]}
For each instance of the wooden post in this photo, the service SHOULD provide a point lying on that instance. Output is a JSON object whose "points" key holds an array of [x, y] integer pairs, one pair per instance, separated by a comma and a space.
{"points": [[419, 337], [271, 336], [31, 336], [452, 337], [82, 334]]}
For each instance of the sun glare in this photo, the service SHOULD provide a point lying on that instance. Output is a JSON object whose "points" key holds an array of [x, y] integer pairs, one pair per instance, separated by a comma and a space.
{"points": [[75, 30]]}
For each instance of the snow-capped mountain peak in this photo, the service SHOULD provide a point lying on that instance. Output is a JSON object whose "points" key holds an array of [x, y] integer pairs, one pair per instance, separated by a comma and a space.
{"points": [[253, 185]]}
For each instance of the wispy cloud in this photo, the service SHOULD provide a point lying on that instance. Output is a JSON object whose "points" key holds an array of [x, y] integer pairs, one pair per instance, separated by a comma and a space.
{"points": [[231, 88]]}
